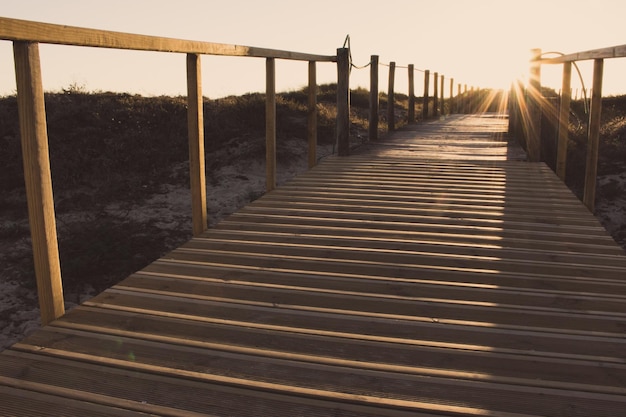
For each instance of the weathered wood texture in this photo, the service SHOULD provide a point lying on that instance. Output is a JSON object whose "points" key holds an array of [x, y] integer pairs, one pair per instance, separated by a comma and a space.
{"points": [[391, 98], [24, 30], [270, 124], [312, 115], [374, 98], [593, 140], [416, 277], [425, 102], [195, 123], [343, 102], [38, 181], [601, 53]]}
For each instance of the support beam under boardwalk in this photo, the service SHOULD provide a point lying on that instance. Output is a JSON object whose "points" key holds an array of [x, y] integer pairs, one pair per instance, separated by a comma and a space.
{"points": [[434, 273]]}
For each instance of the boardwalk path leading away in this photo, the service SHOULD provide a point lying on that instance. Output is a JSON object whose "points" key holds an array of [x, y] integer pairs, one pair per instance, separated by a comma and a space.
{"points": [[436, 273]]}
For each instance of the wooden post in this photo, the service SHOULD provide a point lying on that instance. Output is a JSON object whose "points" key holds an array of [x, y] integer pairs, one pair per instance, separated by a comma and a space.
{"points": [[425, 113], [472, 101], [270, 124], [312, 115], [38, 181], [195, 128], [411, 112], [442, 104], [343, 102], [452, 110], [373, 116], [436, 95], [594, 136], [391, 98], [566, 96], [459, 99], [465, 100], [512, 105], [533, 130]]}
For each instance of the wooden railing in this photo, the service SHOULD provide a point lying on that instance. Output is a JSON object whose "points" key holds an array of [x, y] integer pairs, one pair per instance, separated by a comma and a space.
{"points": [[461, 103], [26, 37], [531, 105]]}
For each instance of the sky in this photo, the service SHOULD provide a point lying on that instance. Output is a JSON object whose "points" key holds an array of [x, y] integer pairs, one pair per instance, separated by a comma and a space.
{"points": [[482, 43]]}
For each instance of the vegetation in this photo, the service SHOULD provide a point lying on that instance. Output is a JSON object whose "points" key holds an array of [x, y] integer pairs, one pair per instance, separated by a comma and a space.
{"points": [[120, 149]]}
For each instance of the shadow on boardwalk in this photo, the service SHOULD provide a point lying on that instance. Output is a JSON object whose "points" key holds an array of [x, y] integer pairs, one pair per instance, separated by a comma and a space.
{"points": [[434, 273]]}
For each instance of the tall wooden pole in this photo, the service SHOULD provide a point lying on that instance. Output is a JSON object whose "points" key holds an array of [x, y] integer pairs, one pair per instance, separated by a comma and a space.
{"points": [[566, 95], [312, 115], [442, 104], [465, 100], [436, 94], [343, 101], [270, 124], [373, 115], [533, 125], [391, 98], [452, 110], [425, 113], [35, 153], [195, 127], [411, 112], [594, 136]]}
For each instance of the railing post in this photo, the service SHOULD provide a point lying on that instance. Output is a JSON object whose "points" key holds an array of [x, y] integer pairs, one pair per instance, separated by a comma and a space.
{"points": [[195, 128], [564, 107], [459, 99], [38, 181], [533, 130], [595, 112], [442, 104], [436, 95], [270, 124], [391, 98], [425, 113], [411, 113], [465, 100], [373, 116], [452, 110], [312, 115], [343, 101]]}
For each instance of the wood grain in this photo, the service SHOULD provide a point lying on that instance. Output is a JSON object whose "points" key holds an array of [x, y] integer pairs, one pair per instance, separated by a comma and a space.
{"points": [[387, 283]]}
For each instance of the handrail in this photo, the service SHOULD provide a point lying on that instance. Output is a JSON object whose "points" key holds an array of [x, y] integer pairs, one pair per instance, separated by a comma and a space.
{"points": [[28, 31], [602, 53], [536, 105]]}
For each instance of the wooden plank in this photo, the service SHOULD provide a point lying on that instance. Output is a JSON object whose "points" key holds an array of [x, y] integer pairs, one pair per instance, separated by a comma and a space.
{"points": [[38, 180], [433, 246], [29, 31], [16, 401]]}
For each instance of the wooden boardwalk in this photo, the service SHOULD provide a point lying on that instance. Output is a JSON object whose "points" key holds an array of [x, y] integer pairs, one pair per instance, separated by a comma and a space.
{"points": [[436, 273]]}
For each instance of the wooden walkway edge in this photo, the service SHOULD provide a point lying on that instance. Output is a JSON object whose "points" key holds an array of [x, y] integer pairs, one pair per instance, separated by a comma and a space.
{"points": [[434, 273]]}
